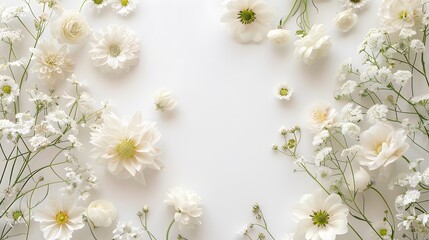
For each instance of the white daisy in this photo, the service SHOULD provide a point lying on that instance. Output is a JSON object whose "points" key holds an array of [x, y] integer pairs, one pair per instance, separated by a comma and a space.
{"points": [[124, 7], [284, 91], [97, 5], [8, 89], [321, 116], [320, 216], [16, 215], [51, 61], [115, 48], [59, 218], [127, 147], [187, 206], [248, 20], [356, 4]]}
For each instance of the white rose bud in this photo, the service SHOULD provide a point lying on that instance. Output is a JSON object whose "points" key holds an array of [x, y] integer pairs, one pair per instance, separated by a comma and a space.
{"points": [[279, 36], [346, 20], [101, 213], [70, 27], [164, 101], [362, 180], [313, 46]]}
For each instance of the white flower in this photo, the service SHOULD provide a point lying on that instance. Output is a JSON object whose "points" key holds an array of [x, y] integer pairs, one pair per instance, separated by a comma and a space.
{"points": [[344, 69], [359, 181], [320, 216], [417, 46], [187, 206], [115, 48], [320, 137], [425, 176], [402, 77], [383, 229], [399, 14], [127, 147], [354, 3], [126, 231], [348, 88], [98, 4], [59, 116], [59, 218], [248, 20], [164, 101], [8, 89], [406, 33], [16, 214], [8, 191], [382, 145], [124, 7], [346, 20], [377, 113], [279, 36], [420, 99], [350, 129], [70, 27], [321, 155], [351, 151], [314, 45], [321, 116], [38, 141], [101, 213], [14, 12], [351, 114], [52, 62], [10, 36], [323, 173], [284, 91]]}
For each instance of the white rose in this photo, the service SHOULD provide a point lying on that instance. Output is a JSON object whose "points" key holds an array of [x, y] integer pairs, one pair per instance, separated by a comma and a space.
{"points": [[279, 36], [361, 182], [70, 27], [346, 20], [164, 101], [101, 213], [381, 146], [314, 45]]}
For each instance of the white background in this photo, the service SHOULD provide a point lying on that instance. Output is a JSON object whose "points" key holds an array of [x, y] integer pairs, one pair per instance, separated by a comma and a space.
{"points": [[218, 140]]}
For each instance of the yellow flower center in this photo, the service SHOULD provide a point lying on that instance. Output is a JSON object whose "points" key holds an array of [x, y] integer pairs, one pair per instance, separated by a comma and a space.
{"points": [[379, 148], [62, 217], [126, 149], [114, 50], [98, 2], [7, 89], [51, 60], [320, 218], [246, 16], [124, 2], [284, 91], [320, 115], [383, 232], [404, 15]]}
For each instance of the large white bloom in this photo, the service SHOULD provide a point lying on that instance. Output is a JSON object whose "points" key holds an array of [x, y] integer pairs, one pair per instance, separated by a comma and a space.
{"points": [[70, 27], [314, 45], [381, 146], [115, 48], [127, 147], [399, 14], [51, 62], [101, 213], [320, 216], [248, 20], [187, 206], [321, 116], [346, 20], [59, 218]]}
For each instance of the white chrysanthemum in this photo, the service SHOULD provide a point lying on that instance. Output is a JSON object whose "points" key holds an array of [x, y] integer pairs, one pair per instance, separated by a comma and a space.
{"points": [[8, 89], [70, 27], [399, 14], [248, 20], [377, 113], [115, 49], [284, 91], [10, 36], [51, 62], [164, 101], [187, 206], [346, 20], [59, 218], [354, 3], [127, 147], [382, 145], [124, 7], [279, 36], [101, 213], [313, 46], [14, 12], [97, 5], [321, 116], [320, 216]]}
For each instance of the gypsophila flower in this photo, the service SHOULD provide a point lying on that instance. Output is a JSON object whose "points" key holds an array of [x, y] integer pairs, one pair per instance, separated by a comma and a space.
{"points": [[351, 151], [313, 46], [406, 33], [38, 142], [115, 49], [374, 39], [377, 113], [351, 114], [10, 36], [126, 231], [164, 101], [402, 77], [14, 12], [8, 192], [52, 62], [320, 137], [59, 116], [59, 218], [384, 76], [322, 155], [356, 4], [425, 176], [350, 129], [248, 20], [284, 91], [323, 173], [123, 7], [187, 206], [414, 163], [417, 46], [344, 69], [348, 88], [410, 196], [420, 99], [127, 147]]}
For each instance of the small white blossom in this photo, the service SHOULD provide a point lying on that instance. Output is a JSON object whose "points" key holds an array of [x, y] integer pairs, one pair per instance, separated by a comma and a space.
{"points": [[126, 231], [320, 137], [14, 12], [351, 114], [377, 113], [164, 101], [402, 77], [351, 151], [417, 46], [322, 155], [38, 142], [284, 91]]}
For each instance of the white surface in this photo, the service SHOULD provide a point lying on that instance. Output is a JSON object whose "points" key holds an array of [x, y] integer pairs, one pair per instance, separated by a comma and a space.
{"points": [[218, 140]]}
